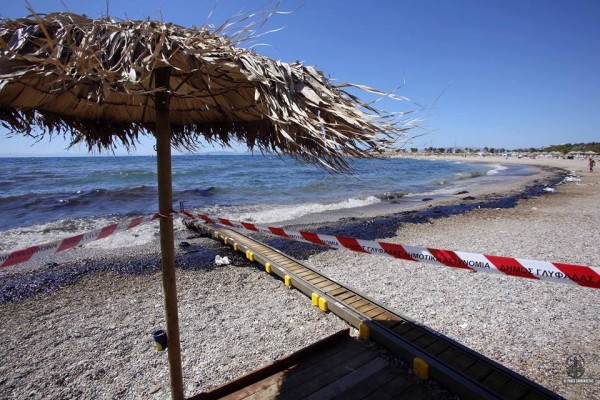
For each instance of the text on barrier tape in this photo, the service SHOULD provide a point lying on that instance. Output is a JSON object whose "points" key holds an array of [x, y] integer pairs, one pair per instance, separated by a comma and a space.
{"points": [[582, 275], [41, 250]]}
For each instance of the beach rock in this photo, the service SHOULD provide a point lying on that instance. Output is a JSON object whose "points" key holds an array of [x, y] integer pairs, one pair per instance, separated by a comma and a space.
{"points": [[461, 192], [392, 195], [154, 389]]}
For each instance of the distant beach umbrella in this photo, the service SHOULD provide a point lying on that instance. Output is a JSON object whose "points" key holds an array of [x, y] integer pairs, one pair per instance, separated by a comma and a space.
{"points": [[105, 83]]}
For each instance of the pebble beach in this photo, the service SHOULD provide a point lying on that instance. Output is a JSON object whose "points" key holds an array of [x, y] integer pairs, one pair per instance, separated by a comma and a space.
{"points": [[90, 337]]}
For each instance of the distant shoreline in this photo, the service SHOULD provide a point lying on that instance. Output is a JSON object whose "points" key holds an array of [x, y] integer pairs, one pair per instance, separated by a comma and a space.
{"points": [[541, 172]]}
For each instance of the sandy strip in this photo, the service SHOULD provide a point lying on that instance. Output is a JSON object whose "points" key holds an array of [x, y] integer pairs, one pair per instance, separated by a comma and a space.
{"points": [[91, 339]]}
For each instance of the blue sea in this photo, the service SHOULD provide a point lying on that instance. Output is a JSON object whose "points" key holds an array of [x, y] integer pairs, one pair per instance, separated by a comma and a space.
{"points": [[43, 199]]}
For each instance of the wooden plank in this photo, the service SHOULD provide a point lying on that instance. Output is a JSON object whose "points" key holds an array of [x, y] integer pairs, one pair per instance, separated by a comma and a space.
{"points": [[277, 257], [366, 308], [358, 303], [403, 328], [288, 268], [301, 270], [414, 392], [479, 371], [363, 389], [263, 386], [293, 264], [414, 334], [325, 348], [533, 395], [316, 281], [325, 377], [375, 312], [308, 274], [496, 380], [337, 292], [391, 389], [349, 299], [265, 251], [449, 354], [360, 374], [331, 286], [326, 284], [270, 384], [463, 362], [295, 379], [425, 340], [513, 390], [344, 296], [294, 267], [319, 279], [387, 316], [436, 348], [290, 264]]}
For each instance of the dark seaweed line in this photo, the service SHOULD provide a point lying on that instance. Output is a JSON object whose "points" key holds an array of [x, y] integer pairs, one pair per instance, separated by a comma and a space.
{"points": [[55, 276]]}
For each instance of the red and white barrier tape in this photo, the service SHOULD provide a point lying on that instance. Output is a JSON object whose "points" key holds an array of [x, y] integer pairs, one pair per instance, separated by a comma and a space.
{"points": [[582, 275], [41, 250]]}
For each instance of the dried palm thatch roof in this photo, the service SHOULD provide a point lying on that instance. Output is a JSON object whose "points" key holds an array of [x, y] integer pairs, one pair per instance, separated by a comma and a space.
{"points": [[63, 73]]}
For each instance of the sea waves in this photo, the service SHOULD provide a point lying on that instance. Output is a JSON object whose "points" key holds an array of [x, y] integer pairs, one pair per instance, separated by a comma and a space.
{"points": [[47, 198]]}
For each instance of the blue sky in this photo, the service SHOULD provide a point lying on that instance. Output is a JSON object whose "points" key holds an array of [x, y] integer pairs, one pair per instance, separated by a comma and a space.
{"points": [[505, 73]]}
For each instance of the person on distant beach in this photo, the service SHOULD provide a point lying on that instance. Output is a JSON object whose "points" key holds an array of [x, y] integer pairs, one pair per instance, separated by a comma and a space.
{"points": [[591, 163]]}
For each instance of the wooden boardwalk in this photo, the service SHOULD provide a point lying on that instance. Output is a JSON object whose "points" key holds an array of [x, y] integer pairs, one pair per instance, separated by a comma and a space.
{"points": [[338, 367], [454, 366]]}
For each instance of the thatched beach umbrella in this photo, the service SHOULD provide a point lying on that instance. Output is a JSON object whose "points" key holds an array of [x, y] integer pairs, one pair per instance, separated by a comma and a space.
{"points": [[104, 83]]}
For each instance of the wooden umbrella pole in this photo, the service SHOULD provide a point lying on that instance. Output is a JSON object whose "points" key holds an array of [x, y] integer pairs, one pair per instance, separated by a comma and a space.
{"points": [[167, 240]]}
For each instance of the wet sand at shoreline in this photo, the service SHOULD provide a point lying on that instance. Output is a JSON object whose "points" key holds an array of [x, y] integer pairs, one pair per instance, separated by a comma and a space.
{"points": [[92, 337]]}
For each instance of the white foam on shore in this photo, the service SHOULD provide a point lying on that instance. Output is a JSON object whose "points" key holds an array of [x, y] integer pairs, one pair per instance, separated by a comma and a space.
{"points": [[272, 214], [496, 168], [138, 236], [21, 238]]}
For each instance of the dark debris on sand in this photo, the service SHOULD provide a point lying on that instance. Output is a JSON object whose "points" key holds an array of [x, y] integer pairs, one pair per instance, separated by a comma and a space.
{"points": [[198, 252], [387, 226]]}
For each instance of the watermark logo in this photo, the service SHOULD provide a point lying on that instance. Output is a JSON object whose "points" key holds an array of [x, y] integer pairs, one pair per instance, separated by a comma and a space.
{"points": [[575, 368]]}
